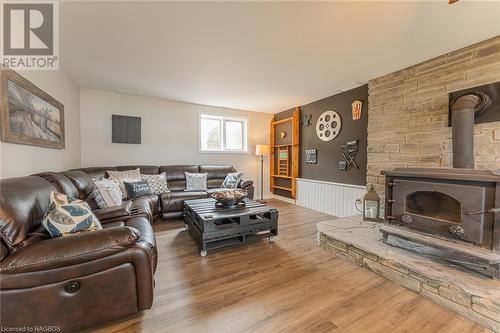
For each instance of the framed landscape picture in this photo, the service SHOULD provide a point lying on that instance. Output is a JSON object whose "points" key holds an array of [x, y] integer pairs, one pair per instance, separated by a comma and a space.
{"points": [[29, 115]]}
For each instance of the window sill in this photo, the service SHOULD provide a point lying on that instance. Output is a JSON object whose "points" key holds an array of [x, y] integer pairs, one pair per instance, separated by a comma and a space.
{"points": [[237, 152]]}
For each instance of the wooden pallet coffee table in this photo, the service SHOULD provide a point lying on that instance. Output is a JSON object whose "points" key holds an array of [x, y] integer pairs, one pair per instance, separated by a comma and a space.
{"points": [[216, 227]]}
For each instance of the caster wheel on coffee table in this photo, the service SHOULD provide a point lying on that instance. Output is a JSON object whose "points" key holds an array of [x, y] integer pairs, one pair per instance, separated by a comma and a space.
{"points": [[270, 239], [203, 253]]}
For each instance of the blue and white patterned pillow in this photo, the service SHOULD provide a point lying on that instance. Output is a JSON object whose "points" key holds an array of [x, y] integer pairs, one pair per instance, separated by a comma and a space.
{"points": [[66, 215], [232, 180]]}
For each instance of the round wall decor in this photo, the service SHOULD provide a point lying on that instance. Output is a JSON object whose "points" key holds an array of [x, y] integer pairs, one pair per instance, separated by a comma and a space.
{"points": [[328, 125]]}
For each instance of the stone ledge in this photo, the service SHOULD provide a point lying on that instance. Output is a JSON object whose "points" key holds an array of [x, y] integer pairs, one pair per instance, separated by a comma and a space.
{"points": [[473, 296]]}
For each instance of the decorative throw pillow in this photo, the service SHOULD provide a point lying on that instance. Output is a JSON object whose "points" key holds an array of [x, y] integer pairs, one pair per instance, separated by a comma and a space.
{"points": [[120, 176], [106, 193], [232, 180], [196, 181], [157, 183], [67, 215], [137, 189]]}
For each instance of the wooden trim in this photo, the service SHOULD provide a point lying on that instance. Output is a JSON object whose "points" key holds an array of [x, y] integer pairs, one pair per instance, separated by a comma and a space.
{"points": [[271, 155], [282, 188], [295, 150], [282, 120], [280, 176], [7, 75]]}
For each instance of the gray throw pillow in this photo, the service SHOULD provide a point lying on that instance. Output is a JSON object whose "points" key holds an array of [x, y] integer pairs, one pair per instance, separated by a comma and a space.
{"points": [[232, 180], [196, 181]]}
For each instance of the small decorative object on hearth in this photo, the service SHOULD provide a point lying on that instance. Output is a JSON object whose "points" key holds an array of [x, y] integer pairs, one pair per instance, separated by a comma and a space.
{"points": [[229, 198], [357, 106], [371, 205]]}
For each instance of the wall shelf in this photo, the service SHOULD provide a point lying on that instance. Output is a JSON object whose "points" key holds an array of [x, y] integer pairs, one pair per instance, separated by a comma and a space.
{"points": [[284, 158], [280, 176]]}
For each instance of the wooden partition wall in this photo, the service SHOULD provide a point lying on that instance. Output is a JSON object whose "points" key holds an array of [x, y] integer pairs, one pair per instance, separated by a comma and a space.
{"points": [[284, 153]]}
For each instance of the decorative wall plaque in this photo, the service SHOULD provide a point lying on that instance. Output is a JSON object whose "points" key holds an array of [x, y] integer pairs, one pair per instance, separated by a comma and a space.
{"points": [[328, 125], [357, 106]]}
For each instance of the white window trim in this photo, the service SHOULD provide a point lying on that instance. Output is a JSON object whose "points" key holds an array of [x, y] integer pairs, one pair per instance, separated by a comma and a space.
{"points": [[223, 118]]}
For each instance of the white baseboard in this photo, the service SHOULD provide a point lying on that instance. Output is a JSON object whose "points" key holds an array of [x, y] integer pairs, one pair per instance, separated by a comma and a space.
{"points": [[279, 197]]}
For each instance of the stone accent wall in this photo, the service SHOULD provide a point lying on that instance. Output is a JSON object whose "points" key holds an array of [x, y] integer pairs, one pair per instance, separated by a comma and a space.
{"points": [[408, 112]]}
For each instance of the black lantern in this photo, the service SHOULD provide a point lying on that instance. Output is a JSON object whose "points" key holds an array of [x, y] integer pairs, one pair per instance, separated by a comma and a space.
{"points": [[371, 205]]}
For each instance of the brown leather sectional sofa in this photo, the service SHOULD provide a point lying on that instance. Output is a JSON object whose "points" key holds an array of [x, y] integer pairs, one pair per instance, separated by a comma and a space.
{"points": [[72, 283]]}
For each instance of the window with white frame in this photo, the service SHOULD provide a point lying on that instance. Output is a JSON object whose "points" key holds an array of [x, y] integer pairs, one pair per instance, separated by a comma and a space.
{"points": [[221, 133]]}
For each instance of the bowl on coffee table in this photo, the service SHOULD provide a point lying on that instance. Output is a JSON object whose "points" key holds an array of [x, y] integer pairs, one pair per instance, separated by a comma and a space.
{"points": [[229, 198]]}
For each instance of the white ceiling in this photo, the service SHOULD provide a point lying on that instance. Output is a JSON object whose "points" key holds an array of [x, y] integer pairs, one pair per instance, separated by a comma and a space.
{"points": [[260, 56]]}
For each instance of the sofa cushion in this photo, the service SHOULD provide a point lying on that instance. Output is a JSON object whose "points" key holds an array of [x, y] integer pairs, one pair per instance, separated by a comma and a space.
{"points": [[96, 172], [176, 172], [174, 201], [216, 171], [215, 182], [66, 251], [113, 213], [23, 203], [66, 216], [82, 181], [145, 169], [62, 183]]}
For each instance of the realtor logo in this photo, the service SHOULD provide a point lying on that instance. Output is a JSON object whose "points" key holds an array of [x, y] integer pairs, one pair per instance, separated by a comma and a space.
{"points": [[30, 35]]}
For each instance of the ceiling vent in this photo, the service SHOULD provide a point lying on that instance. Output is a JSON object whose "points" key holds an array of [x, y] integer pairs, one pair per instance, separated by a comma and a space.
{"points": [[349, 86], [129, 92]]}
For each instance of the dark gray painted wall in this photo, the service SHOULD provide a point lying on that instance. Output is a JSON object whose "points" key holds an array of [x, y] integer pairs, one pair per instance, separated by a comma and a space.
{"points": [[329, 153]]}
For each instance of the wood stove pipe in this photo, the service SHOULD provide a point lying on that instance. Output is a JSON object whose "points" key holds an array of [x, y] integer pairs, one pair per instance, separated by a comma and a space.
{"points": [[462, 112]]}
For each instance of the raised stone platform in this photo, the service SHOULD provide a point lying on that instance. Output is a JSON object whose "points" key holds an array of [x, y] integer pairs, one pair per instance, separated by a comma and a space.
{"points": [[470, 294]]}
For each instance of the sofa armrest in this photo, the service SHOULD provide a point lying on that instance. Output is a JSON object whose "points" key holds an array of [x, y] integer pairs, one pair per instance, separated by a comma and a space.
{"points": [[246, 183], [112, 213], [70, 250]]}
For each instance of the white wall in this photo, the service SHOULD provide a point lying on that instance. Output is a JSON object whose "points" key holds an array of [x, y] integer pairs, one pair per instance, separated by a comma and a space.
{"points": [[169, 134], [22, 160]]}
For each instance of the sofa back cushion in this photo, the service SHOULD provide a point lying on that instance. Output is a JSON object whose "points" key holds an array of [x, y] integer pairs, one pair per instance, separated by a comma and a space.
{"points": [[82, 181], [145, 169], [176, 178], [23, 202], [216, 174], [96, 172], [62, 183]]}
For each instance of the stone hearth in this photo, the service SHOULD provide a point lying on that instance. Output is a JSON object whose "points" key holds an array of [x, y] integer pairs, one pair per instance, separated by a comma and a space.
{"points": [[472, 295]]}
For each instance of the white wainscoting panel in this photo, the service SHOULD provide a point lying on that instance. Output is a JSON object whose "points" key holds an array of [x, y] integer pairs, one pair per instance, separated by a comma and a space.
{"points": [[332, 198]]}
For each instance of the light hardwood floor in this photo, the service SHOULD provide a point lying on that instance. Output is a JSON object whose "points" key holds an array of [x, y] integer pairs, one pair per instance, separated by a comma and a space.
{"points": [[290, 285]]}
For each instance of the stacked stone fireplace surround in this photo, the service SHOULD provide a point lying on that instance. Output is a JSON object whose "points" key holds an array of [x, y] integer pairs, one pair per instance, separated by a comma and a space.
{"points": [[408, 128], [408, 112]]}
